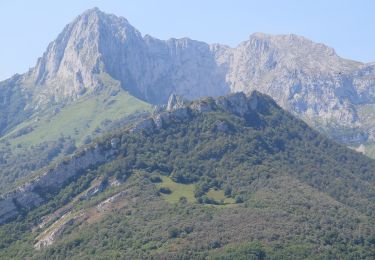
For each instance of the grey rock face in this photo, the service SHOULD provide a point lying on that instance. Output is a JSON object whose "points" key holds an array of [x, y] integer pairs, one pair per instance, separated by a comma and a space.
{"points": [[67, 68], [237, 103], [50, 238], [174, 102], [309, 79], [94, 190], [96, 46], [29, 195], [182, 66], [306, 78]]}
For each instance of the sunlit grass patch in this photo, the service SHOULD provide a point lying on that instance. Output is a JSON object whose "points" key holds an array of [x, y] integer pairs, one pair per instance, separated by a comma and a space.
{"points": [[178, 190], [218, 195]]}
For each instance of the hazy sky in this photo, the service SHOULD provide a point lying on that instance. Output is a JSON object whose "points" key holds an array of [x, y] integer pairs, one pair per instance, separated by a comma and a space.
{"points": [[26, 27]]}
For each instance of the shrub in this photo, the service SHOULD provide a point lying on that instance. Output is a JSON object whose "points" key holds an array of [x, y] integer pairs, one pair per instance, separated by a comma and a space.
{"points": [[155, 179], [165, 190], [173, 232]]}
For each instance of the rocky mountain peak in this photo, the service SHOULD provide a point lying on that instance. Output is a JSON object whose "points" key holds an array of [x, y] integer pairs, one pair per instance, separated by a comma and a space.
{"points": [[290, 46], [99, 50], [90, 16], [92, 11], [73, 62], [304, 77], [175, 102]]}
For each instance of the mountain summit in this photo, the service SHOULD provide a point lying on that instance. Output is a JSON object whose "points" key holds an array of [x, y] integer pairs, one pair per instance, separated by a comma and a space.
{"points": [[309, 79], [96, 44], [91, 45]]}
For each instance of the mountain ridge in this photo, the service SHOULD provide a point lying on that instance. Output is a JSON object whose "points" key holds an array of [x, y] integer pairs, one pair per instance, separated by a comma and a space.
{"points": [[235, 171], [306, 78], [27, 195]]}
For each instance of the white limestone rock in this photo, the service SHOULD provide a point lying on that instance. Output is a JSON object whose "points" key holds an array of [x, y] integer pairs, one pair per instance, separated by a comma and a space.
{"points": [[234, 103], [306, 78], [175, 102], [28, 195]]}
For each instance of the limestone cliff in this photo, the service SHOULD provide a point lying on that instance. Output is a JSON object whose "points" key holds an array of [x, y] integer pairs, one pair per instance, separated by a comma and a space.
{"points": [[306, 78], [30, 194]]}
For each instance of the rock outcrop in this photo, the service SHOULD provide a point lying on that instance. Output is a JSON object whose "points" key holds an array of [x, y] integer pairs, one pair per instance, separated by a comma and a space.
{"points": [[30, 194], [235, 103], [94, 190], [175, 102], [51, 235]]}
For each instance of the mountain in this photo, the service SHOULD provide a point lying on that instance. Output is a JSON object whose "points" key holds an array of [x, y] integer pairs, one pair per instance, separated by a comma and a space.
{"points": [[306, 78], [235, 177], [65, 100], [98, 71], [73, 65], [309, 79], [303, 76], [105, 153], [97, 44]]}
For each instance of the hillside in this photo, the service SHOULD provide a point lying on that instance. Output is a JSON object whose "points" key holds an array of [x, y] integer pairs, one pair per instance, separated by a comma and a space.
{"points": [[58, 130], [231, 177]]}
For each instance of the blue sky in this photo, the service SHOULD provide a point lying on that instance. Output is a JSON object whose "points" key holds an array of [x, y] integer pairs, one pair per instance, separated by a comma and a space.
{"points": [[26, 27]]}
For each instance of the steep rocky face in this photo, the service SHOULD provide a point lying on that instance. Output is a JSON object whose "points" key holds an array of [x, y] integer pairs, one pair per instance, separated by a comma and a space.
{"points": [[182, 66], [30, 194], [96, 46], [306, 78], [174, 102], [73, 64]]}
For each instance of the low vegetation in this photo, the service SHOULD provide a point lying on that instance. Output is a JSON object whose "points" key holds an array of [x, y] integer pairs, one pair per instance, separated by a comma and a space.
{"points": [[265, 187], [57, 132], [177, 191]]}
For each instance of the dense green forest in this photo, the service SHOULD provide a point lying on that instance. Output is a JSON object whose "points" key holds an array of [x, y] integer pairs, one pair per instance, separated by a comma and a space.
{"points": [[216, 186]]}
